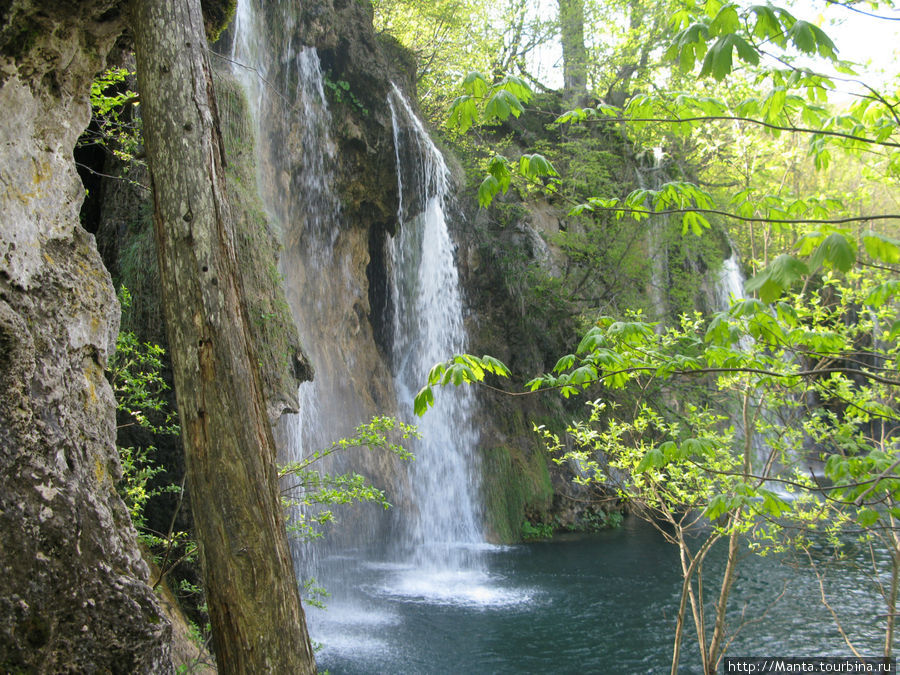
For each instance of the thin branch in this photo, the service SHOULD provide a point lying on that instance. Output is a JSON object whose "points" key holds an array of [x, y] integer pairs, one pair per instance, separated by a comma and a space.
{"points": [[106, 175], [847, 5], [834, 615], [749, 120], [752, 219], [884, 474]]}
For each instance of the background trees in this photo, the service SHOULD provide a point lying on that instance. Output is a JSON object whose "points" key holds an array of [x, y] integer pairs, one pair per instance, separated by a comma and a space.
{"points": [[753, 135]]}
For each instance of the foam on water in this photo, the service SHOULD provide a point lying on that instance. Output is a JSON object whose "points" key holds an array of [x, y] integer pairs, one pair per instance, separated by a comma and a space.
{"points": [[464, 588]]}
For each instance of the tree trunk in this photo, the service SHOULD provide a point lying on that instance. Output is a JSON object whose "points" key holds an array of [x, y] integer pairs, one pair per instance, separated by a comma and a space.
{"points": [[254, 604], [571, 27]]}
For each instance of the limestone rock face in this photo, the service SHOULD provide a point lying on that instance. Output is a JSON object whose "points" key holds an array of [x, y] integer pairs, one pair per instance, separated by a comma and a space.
{"points": [[73, 588]]}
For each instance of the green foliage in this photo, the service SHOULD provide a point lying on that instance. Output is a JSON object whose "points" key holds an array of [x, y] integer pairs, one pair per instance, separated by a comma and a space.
{"points": [[134, 372], [340, 92], [516, 488], [817, 368], [308, 493], [536, 531], [115, 128], [487, 103], [461, 368]]}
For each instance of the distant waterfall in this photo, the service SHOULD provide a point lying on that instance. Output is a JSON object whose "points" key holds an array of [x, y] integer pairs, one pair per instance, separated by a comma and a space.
{"points": [[427, 328], [728, 284], [657, 246]]}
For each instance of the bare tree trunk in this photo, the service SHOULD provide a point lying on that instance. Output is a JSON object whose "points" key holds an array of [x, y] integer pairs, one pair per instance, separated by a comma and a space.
{"points": [[895, 584], [571, 27], [717, 644], [254, 604]]}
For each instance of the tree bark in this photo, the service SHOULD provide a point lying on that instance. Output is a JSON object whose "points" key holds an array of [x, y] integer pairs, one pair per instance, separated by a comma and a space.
{"points": [[571, 27], [257, 622]]}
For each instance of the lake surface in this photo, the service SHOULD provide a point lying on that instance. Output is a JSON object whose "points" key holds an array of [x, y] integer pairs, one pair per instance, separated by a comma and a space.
{"points": [[601, 603]]}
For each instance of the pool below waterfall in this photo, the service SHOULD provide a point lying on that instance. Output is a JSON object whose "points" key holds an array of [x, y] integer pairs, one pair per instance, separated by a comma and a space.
{"points": [[600, 603]]}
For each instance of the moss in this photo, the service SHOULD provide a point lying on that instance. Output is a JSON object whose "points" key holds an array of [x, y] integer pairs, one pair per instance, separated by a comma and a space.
{"points": [[516, 488], [271, 323], [217, 14], [139, 273], [19, 37]]}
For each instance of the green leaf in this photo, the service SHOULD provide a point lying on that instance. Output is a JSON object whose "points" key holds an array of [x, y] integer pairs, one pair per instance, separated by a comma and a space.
{"points": [[495, 366], [746, 51], [867, 517], [803, 37], [564, 363], [501, 105], [895, 330], [881, 247], [517, 87], [462, 114], [535, 166], [726, 21], [488, 189], [653, 459], [670, 451], [837, 251], [718, 505], [423, 400], [781, 274], [475, 84], [718, 60], [879, 295]]}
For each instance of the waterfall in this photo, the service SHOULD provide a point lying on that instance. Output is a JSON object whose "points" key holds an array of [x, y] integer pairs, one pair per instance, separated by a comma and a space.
{"points": [[657, 246], [728, 287], [729, 284], [433, 537], [427, 328], [296, 160]]}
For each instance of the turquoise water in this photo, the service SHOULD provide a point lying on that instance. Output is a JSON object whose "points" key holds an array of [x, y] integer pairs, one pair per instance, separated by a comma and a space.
{"points": [[601, 603]]}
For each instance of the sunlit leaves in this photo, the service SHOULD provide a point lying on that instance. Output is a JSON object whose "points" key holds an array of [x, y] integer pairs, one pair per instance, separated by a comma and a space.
{"points": [[305, 485], [810, 39], [718, 61], [475, 84], [883, 293], [535, 166], [498, 180], [784, 271], [689, 45], [487, 102], [725, 24], [881, 247], [463, 113], [458, 370], [501, 105], [835, 250]]}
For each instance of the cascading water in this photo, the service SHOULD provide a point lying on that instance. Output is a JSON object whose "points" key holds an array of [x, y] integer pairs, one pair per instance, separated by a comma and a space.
{"points": [[434, 550], [657, 248], [727, 288], [296, 160], [428, 327], [729, 284]]}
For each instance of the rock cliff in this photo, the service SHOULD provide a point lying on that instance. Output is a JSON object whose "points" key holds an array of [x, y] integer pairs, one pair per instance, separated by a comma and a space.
{"points": [[74, 594]]}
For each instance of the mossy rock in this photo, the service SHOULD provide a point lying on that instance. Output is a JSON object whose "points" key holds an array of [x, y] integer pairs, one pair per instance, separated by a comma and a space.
{"points": [[516, 488]]}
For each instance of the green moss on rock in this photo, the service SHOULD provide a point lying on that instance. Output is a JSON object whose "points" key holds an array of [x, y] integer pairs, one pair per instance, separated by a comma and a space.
{"points": [[516, 488], [283, 363]]}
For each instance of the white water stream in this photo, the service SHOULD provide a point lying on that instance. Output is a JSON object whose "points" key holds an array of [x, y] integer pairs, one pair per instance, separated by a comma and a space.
{"points": [[430, 547], [427, 328]]}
